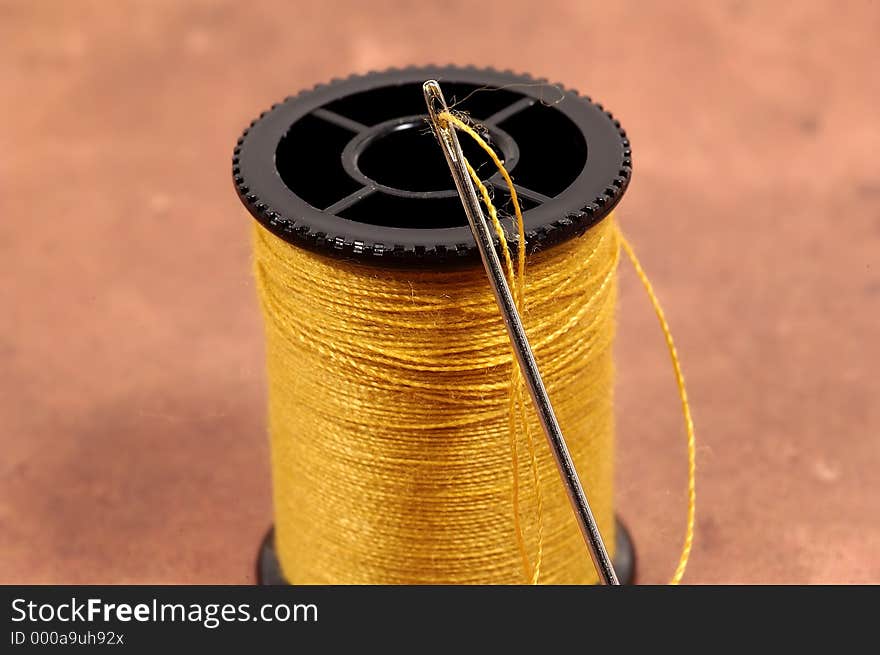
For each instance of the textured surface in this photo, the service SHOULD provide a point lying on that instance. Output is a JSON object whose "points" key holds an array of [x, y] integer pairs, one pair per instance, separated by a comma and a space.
{"points": [[132, 394]]}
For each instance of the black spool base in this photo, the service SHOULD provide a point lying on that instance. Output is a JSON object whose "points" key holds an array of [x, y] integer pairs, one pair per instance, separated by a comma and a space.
{"points": [[269, 570]]}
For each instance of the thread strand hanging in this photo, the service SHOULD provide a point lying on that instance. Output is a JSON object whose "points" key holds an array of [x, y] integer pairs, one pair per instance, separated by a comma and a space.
{"points": [[516, 391]]}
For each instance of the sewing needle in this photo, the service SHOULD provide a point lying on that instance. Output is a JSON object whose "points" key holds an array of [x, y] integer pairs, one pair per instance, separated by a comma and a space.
{"points": [[523, 351]]}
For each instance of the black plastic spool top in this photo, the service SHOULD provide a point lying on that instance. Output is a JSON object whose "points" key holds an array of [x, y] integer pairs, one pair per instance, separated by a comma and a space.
{"points": [[351, 169]]}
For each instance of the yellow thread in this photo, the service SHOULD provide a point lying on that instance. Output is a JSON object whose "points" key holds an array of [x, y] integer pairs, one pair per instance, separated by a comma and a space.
{"points": [[388, 411], [517, 400], [686, 411], [387, 398], [664, 326], [516, 403], [520, 225]]}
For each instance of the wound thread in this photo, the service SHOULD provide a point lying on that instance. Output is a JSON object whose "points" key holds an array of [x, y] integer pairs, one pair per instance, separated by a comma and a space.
{"points": [[389, 415]]}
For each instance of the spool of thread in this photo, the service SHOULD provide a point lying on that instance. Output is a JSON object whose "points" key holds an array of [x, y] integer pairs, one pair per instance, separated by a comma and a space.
{"points": [[395, 455]]}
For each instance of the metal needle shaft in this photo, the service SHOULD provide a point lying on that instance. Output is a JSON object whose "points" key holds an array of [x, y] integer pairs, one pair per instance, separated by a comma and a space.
{"points": [[529, 367]]}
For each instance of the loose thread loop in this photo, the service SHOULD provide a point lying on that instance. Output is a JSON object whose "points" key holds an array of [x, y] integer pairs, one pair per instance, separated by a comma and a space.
{"points": [[516, 397], [517, 405], [685, 408]]}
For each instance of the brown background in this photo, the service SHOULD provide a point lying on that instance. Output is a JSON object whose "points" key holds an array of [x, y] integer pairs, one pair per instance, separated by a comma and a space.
{"points": [[132, 391]]}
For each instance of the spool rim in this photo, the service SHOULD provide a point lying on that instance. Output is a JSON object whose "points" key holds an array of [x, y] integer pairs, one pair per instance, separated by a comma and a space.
{"points": [[594, 192]]}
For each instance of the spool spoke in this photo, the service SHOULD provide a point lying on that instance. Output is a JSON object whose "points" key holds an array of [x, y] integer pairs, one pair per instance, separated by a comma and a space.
{"points": [[509, 110], [350, 199], [534, 196], [339, 119]]}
